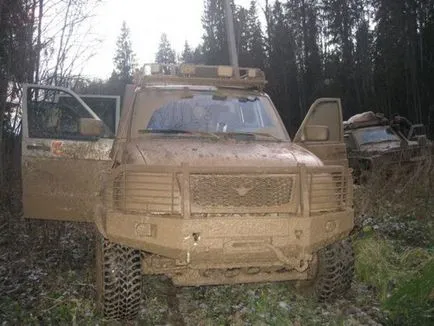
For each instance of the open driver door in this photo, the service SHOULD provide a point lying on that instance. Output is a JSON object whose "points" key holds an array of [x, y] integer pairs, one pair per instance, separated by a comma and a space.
{"points": [[65, 153]]}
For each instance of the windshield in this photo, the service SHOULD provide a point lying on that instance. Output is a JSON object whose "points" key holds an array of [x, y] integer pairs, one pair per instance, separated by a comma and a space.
{"points": [[170, 111], [375, 135]]}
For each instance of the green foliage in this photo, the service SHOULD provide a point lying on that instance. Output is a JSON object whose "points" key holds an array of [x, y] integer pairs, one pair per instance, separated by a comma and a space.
{"points": [[374, 54], [283, 70], [59, 309], [255, 39], [215, 45], [250, 41], [124, 59], [377, 264], [413, 302], [262, 304], [187, 55], [403, 279]]}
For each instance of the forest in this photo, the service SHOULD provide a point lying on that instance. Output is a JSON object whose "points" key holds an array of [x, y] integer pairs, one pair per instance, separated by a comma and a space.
{"points": [[373, 54]]}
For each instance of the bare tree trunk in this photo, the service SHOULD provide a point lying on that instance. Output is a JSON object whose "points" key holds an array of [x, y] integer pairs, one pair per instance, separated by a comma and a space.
{"points": [[268, 19], [305, 91], [38, 42], [3, 95], [1, 9], [2, 110], [60, 53]]}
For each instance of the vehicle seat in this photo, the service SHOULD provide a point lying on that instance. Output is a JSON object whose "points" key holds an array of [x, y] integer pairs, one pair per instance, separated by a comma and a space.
{"points": [[230, 121]]}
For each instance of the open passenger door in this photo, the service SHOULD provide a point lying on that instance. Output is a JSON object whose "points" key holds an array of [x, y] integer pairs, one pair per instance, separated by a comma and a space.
{"points": [[65, 153], [321, 132]]}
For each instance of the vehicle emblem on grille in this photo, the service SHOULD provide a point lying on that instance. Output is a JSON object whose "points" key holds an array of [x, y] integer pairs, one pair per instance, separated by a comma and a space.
{"points": [[242, 191]]}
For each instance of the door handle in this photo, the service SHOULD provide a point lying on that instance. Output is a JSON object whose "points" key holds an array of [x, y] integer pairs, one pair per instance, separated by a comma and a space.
{"points": [[39, 147]]}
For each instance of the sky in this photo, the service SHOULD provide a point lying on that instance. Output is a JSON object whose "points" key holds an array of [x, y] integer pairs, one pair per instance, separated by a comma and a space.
{"points": [[147, 19]]}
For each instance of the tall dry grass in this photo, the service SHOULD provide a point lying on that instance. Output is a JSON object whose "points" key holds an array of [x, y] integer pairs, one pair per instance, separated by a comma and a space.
{"points": [[399, 190]]}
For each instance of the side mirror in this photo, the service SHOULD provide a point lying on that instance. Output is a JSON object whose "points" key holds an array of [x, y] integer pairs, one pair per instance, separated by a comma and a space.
{"points": [[416, 131], [316, 133], [91, 127]]}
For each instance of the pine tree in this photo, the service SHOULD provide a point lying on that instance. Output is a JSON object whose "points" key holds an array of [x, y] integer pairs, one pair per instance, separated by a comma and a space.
{"points": [[312, 61], [124, 58], [242, 36], [283, 71], [250, 41], [165, 54], [342, 17], [187, 55], [198, 56], [363, 65], [256, 44], [215, 45], [302, 16], [397, 57]]}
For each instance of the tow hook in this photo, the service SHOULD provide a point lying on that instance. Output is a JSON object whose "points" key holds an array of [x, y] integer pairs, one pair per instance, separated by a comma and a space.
{"points": [[299, 264]]}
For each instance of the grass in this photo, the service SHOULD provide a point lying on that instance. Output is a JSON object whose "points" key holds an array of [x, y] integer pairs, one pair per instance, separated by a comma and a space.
{"points": [[380, 264], [413, 302], [52, 308], [403, 279], [264, 304], [46, 274], [395, 244]]}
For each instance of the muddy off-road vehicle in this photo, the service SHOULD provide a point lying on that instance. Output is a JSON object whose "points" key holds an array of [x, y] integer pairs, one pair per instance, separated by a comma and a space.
{"points": [[199, 182], [375, 143]]}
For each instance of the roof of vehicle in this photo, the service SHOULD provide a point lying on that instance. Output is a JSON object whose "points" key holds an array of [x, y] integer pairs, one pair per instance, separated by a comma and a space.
{"points": [[365, 119], [200, 75]]}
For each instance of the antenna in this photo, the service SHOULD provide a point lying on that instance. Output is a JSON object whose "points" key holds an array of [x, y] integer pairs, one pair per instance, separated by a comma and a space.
{"points": [[230, 31]]}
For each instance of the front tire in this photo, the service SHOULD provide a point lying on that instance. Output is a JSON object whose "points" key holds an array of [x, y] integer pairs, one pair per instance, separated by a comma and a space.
{"points": [[119, 280], [332, 273]]}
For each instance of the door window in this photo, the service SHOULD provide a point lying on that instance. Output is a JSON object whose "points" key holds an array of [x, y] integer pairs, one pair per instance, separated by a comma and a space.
{"points": [[105, 107], [55, 114]]}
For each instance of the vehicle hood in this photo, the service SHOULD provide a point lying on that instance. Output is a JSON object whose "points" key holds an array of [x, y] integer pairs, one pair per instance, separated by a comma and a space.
{"points": [[394, 152], [378, 148], [170, 151]]}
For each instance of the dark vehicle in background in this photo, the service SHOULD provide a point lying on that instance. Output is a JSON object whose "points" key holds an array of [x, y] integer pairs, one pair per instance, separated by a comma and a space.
{"points": [[377, 144]]}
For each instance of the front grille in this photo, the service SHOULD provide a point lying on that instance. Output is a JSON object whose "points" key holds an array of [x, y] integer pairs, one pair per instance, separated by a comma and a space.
{"points": [[223, 192], [328, 191], [147, 192], [399, 156], [207, 194]]}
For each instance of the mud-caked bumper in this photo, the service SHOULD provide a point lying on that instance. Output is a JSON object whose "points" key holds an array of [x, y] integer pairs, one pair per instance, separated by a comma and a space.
{"points": [[229, 242]]}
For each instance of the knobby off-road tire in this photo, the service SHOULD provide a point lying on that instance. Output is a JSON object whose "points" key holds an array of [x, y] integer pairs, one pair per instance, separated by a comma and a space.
{"points": [[347, 267], [333, 273], [119, 280]]}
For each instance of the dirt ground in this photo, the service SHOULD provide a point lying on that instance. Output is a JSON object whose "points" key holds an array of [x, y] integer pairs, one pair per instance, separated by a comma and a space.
{"points": [[47, 277]]}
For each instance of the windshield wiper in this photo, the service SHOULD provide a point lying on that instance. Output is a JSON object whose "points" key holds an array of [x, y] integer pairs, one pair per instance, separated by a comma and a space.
{"points": [[164, 131], [263, 134], [177, 131], [250, 134], [380, 141]]}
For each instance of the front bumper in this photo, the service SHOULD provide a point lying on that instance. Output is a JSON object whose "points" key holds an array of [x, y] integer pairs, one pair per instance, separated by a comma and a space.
{"points": [[232, 242]]}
